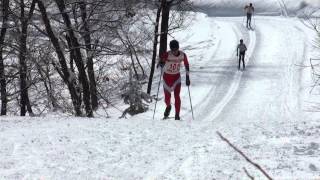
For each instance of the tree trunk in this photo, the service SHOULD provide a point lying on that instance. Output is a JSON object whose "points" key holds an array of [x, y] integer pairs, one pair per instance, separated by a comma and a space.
{"points": [[87, 40], [72, 59], [164, 26], [63, 64], [3, 88], [24, 97], [71, 54], [78, 58], [154, 52], [3, 85]]}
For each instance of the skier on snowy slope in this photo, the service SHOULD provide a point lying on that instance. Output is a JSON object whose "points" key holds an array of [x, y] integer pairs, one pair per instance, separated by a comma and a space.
{"points": [[249, 10], [170, 64], [241, 51]]}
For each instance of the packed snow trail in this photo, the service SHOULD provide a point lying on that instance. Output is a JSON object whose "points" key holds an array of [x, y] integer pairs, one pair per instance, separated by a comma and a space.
{"points": [[251, 106], [258, 109]]}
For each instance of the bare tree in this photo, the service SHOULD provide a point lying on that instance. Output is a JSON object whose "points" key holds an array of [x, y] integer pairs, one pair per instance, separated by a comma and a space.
{"points": [[92, 42], [155, 46], [23, 31], [5, 15], [82, 29], [87, 39], [75, 46], [62, 69]]}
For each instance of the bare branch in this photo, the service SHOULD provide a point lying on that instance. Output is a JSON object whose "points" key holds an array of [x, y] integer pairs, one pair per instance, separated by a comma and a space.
{"points": [[246, 157], [247, 173]]}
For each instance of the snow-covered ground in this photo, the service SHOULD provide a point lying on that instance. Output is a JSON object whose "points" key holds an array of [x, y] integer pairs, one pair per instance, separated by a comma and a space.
{"points": [[268, 7], [266, 111]]}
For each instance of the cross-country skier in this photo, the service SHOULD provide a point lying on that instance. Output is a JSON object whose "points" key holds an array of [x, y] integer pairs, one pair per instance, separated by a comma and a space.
{"points": [[241, 51], [170, 62], [249, 10]]}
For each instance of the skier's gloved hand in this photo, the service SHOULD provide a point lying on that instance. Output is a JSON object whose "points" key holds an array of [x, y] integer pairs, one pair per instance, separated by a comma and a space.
{"points": [[187, 80], [160, 64]]}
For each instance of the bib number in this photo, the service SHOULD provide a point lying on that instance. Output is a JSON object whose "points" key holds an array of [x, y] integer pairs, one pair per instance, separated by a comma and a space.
{"points": [[174, 68]]}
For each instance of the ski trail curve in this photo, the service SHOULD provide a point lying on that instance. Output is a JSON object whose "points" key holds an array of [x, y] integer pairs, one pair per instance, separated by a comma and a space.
{"points": [[235, 84], [231, 91], [177, 164]]}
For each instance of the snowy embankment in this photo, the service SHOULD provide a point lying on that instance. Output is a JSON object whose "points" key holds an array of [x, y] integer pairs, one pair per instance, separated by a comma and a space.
{"points": [[262, 110]]}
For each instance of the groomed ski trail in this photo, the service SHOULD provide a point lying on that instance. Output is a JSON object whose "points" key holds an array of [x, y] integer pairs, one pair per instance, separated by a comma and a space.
{"points": [[177, 164], [208, 114]]}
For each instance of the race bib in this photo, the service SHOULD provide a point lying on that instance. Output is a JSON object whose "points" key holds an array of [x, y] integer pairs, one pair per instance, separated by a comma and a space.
{"points": [[173, 63], [173, 67]]}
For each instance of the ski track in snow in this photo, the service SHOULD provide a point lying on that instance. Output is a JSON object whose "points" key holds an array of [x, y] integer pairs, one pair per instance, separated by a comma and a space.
{"points": [[237, 103], [237, 79], [185, 161], [177, 164]]}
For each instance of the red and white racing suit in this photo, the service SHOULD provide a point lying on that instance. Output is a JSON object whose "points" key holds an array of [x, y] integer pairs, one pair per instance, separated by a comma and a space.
{"points": [[172, 78]]}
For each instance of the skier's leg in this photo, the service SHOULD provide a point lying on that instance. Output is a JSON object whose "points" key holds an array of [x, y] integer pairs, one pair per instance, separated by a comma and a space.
{"points": [[167, 83], [247, 19], [177, 99], [239, 61], [167, 97], [243, 64]]}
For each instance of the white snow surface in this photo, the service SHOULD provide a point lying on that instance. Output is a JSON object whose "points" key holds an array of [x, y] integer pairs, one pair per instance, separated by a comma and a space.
{"points": [[267, 7], [266, 111]]}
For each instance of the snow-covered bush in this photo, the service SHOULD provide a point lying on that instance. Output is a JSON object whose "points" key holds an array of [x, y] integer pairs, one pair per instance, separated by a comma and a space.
{"points": [[133, 95]]}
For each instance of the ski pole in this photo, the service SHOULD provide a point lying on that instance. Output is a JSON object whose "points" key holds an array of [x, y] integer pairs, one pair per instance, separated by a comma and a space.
{"points": [[155, 106], [190, 102]]}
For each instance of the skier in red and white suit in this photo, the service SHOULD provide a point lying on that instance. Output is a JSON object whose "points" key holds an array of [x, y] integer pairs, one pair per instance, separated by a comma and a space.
{"points": [[170, 62]]}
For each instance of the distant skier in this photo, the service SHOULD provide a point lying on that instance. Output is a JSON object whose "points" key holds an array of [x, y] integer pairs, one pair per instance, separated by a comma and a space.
{"points": [[249, 10], [241, 51], [170, 62]]}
